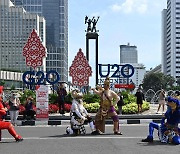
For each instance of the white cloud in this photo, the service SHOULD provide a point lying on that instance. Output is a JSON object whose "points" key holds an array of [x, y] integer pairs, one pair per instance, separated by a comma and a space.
{"points": [[116, 7], [142, 8], [130, 6]]}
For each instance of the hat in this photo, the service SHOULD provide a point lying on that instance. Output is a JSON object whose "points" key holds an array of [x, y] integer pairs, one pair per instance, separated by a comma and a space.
{"points": [[171, 99]]}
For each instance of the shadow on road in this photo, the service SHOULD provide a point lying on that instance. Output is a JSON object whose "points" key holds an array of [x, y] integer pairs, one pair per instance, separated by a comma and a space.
{"points": [[154, 143], [66, 135], [2, 142]]}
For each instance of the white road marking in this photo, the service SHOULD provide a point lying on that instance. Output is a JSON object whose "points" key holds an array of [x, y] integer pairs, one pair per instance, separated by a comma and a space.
{"points": [[75, 137], [85, 125]]}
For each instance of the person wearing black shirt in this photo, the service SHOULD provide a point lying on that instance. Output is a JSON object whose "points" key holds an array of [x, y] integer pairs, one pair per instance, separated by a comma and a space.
{"points": [[61, 98], [140, 97]]}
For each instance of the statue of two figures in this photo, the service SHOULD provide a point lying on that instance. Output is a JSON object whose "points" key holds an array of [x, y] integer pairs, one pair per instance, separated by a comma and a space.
{"points": [[91, 24]]}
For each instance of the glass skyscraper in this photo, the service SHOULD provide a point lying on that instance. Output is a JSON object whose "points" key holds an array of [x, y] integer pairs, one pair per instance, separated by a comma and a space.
{"points": [[15, 27], [55, 13], [128, 54]]}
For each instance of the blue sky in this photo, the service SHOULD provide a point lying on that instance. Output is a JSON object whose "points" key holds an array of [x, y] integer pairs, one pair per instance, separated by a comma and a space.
{"points": [[121, 21]]}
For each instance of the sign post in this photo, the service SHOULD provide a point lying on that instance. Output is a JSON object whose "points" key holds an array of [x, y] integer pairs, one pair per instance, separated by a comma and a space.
{"points": [[34, 52], [42, 102]]}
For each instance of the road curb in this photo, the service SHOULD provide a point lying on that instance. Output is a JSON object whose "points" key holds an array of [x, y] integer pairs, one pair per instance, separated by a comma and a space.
{"points": [[67, 122]]}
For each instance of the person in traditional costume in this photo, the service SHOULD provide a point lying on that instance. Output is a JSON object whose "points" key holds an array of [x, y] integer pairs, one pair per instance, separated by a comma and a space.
{"points": [[168, 130], [7, 125], [79, 115], [107, 109]]}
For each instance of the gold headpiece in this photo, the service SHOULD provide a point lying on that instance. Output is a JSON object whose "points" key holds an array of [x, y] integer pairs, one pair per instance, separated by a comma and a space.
{"points": [[107, 81], [76, 94]]}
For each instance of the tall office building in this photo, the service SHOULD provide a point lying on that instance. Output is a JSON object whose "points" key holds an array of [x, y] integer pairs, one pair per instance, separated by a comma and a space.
{"points": [[128, 54], [171, 39], [15, 27], [164, 43], [55, 13]]}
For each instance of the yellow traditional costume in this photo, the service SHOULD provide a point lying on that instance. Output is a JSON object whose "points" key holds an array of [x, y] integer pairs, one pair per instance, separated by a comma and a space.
{"points": [[108, 100]]}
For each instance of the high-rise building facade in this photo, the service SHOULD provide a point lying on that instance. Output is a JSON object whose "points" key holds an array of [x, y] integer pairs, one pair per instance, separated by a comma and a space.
{"points": [[164, 43], [171, 39], [15, 27], [55, 13], [128, 54]]}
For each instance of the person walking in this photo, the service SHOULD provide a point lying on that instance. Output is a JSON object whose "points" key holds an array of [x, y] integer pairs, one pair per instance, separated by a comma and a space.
{"points": [[14, 103], [61, 98], [139, 100], [162, 101], [120, 103]]}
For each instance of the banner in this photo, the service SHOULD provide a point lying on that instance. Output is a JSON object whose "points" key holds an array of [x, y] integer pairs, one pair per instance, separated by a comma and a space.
{"points": [[42, 102]]}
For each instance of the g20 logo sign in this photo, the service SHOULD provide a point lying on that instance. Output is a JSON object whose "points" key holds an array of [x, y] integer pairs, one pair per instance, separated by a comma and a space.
{"points": [[125, 71], [32, 77]]}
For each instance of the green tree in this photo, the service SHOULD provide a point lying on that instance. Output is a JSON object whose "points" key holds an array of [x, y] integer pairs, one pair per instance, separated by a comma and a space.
{"points": [[26, 94], [13, 87], [157, 81], [2, 82]]}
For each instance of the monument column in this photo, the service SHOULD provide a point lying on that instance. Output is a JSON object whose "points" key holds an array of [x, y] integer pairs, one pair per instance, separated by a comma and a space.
{"points": [[91, 33]]}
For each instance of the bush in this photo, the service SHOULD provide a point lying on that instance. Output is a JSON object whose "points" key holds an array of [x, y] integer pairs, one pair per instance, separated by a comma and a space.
{"points": [[53, 98], [26, 94], [68, 98], [92, 107], [128, 98], [67, 107], [53, 108], [130, 108], [126, 109], [91, 98]]}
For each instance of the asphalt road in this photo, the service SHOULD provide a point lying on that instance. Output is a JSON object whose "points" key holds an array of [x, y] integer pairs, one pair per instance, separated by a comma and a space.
{"points": [[52, 140]]}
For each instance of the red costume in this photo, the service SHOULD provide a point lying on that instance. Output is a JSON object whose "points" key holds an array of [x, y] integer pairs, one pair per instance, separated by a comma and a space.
{"points": [[7, 125]]}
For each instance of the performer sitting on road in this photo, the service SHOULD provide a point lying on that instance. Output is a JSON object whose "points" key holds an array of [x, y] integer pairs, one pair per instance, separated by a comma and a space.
{"points": [[79, 115], [168, 131], [106, 109], [7, 125]]}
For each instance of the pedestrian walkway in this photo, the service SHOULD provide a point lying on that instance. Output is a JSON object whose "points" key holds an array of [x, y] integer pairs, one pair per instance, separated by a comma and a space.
{"points": [[153, 109]]}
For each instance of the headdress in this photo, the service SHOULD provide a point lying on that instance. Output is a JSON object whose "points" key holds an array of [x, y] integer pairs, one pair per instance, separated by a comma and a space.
{"points": [[107, 81], [76, 94]]}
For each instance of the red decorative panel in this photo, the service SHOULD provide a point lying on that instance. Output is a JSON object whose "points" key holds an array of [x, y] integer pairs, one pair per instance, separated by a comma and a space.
{"points": [[128, 86], [34, 51], [80, 70]]}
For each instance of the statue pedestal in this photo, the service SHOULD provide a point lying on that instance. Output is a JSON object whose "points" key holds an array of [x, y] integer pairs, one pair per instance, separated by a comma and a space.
{"points": [[92, 35]]}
